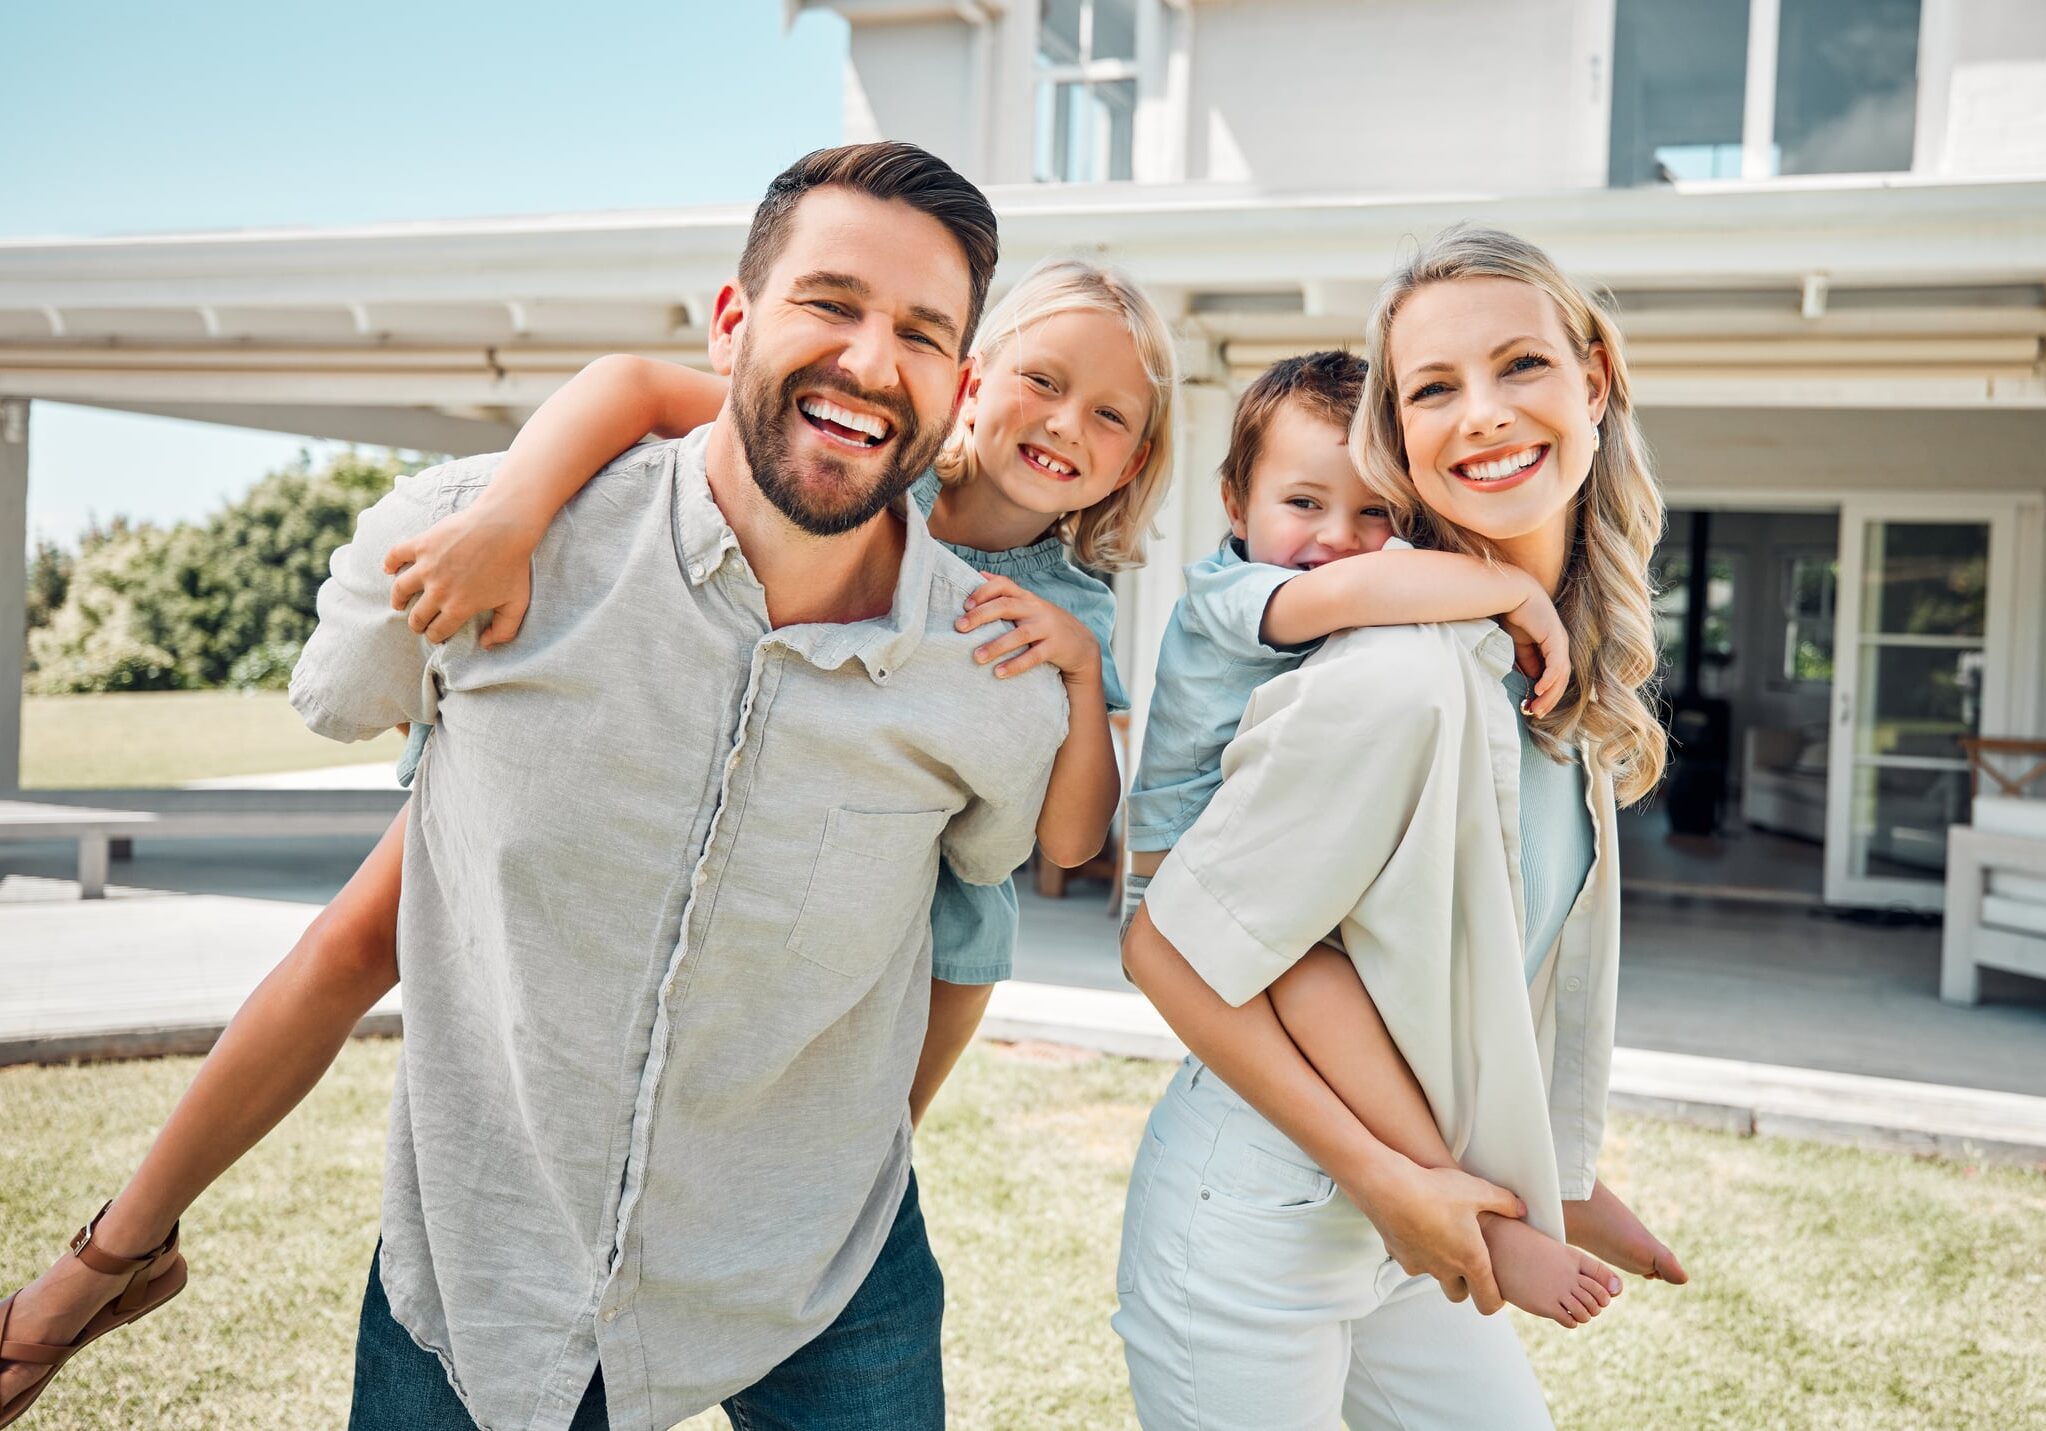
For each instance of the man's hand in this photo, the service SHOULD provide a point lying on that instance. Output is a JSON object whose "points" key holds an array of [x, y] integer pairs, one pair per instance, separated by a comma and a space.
{"points": [[1541, 648], [476, 559], [1429, 1220], [1044, 633]]}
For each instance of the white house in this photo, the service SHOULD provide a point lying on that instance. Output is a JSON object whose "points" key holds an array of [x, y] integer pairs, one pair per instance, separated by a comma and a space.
{"points": [[1823, 223]]}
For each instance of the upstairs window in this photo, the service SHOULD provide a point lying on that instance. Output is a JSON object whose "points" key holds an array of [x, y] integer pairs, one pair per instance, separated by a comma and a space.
{"points": [[1750, 89], [1086, 90]]}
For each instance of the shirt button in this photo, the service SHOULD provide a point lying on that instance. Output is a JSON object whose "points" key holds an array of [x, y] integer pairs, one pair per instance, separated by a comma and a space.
{"points": [[610, 1314], [696, 572], [1573, 983]]}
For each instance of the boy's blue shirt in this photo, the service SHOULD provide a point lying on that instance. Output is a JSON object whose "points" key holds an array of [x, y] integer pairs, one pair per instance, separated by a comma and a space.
{"points": [[1210, 659], [973, 926]]}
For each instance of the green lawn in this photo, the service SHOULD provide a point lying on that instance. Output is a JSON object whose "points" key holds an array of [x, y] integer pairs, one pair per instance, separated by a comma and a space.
{"points": [[170, 737], [1832, 1288]]}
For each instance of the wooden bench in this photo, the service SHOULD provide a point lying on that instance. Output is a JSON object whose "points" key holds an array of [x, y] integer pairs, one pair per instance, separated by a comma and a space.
{"points": [[92, 826], [96, 818]]}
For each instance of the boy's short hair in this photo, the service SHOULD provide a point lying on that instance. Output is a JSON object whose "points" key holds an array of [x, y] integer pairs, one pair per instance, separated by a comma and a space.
{"points": [[1328, 384], [887, 169]]}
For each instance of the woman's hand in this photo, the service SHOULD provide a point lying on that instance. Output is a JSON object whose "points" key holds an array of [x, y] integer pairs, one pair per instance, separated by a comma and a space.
{"points": [[1541, 648], [1044, 633], [476, 559], [1429, 1220]]}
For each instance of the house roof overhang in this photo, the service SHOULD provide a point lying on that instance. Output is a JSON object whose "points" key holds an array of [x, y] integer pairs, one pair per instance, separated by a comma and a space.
{"points": [[1859, 291]]}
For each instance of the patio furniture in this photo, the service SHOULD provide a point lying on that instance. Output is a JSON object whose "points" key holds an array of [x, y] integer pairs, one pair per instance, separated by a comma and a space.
{"points": [[96, 818], [1783, 780], [1996, 873], [93, 827]]}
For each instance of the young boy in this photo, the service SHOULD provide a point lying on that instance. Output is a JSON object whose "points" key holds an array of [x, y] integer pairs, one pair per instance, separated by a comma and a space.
{"points": [[1257, 607]]}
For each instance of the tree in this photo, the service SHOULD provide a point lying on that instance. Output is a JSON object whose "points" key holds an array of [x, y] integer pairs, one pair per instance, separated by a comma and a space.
{"points": [[150, 608], [49, 577]]}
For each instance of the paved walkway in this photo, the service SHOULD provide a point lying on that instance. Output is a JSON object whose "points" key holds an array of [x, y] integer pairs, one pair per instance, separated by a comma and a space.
{"points": [[1750, 1018]]}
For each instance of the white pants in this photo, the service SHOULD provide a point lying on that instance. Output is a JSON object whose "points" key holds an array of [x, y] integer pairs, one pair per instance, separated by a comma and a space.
{"points": [[1256, 1297]]}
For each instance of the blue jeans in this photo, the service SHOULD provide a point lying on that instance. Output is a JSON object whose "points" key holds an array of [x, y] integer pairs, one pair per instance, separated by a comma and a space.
{"points": [[876, 1368]]}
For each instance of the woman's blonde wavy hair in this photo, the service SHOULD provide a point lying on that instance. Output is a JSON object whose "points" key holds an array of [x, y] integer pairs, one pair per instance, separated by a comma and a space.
{"points": [[1108, 536], [1605, 596]]}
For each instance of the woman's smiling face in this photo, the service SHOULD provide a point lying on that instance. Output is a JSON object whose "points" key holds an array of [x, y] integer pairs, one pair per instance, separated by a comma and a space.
{"points": [[1497, 411]]}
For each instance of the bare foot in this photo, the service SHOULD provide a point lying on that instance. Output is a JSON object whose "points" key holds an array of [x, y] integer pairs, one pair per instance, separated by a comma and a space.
{"points": [[1606, 1227], [1540, 1275]]}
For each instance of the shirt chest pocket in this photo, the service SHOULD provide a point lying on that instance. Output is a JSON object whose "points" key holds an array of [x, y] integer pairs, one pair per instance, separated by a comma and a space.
{"points": [[871, 883]]}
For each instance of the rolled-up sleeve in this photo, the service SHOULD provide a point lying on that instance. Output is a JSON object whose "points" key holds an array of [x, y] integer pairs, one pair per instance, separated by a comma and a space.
{"points": [[364, 670], [1318, 789]]}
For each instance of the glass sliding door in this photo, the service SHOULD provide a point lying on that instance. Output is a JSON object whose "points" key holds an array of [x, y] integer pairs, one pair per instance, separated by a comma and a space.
{"points": [[1921, 659]]}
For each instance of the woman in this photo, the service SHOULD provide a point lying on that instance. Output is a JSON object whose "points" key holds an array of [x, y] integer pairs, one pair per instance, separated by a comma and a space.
{"points": [[1377, 791]]}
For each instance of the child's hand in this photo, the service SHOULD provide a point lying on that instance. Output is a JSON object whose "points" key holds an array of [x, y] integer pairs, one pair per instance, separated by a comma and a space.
{"points": [[1050, 633], [1541, 648], [476, 559]]}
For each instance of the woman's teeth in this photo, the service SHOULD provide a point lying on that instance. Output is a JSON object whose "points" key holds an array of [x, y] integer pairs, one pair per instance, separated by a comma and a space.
{"points": [[1504, 467]]}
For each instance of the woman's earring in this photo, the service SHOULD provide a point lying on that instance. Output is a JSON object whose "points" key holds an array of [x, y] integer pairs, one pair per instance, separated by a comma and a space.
{"points": [[1594, 439]]}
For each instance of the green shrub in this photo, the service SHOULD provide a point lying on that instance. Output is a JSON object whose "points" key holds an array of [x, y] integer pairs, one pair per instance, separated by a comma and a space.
{"points": [[146, 608]]}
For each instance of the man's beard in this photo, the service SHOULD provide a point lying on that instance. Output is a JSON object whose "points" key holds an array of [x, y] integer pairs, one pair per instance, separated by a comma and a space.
{"points": [[837, 503]]}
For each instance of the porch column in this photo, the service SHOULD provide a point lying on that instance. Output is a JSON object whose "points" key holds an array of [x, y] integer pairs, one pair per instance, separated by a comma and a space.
{"points": [[13, 582]]}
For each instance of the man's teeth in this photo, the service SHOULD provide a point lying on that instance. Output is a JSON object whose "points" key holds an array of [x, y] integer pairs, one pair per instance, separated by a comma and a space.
{"points": [[1504, 467], [1050, 463], [831, 412]]}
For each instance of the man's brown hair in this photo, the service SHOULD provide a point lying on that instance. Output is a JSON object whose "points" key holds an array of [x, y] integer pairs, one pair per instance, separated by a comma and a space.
{"points": [[1328, 384], [889, 169]]}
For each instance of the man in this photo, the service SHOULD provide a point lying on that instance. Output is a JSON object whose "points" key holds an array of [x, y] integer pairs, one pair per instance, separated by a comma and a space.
{"points": [[665, 927]]}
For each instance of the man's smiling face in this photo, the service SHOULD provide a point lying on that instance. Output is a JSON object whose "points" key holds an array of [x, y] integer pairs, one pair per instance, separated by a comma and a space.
{"points": [[846, 366]]}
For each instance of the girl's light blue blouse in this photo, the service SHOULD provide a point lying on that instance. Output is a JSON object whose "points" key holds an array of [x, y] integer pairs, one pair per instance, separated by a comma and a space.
{"points": [[973, 926]]}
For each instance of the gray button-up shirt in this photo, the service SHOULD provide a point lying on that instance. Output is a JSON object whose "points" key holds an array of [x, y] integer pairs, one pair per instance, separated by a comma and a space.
{"points": [[664, 989]]}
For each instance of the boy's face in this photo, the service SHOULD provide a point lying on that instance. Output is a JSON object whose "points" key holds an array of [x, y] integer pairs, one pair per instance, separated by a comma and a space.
{"points": [[1307, 505]]}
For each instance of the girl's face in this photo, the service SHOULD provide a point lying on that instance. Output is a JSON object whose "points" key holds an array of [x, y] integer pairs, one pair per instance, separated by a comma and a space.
{"points": [[1497, 410], [1306, 505], [1058, 412]]}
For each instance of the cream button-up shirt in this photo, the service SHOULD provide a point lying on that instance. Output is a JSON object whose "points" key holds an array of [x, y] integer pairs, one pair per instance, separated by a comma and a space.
{"points": [[1375, 791]]}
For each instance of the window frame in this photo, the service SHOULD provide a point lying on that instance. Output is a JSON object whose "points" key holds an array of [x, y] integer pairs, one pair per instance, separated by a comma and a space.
{"points": [[1086, 72], [1759, 157]]}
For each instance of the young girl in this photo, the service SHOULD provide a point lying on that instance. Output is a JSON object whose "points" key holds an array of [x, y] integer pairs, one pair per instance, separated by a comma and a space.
{"points": [[1059, 455], [1389, 791]]}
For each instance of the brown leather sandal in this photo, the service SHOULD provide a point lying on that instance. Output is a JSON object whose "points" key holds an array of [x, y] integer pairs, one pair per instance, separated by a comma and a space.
{"points": [[143, 1295]]}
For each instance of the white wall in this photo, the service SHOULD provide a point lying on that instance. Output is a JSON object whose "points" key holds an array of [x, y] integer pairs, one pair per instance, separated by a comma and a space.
{"points": [[1981, 88], [1400, 96], [917, 81]]}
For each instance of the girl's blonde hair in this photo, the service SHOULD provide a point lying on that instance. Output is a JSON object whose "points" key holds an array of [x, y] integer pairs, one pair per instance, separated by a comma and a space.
{"points": [[1108, 536], [1606, 593]]}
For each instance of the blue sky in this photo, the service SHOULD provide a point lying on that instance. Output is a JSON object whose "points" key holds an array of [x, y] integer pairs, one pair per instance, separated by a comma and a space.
{"points": [[138, 118]]}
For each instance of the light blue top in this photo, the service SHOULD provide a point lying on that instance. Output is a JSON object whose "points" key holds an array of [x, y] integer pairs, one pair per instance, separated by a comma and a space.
{"points": [[973, 926], [1555, 836], [1212, 658], [1209, 661]]}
